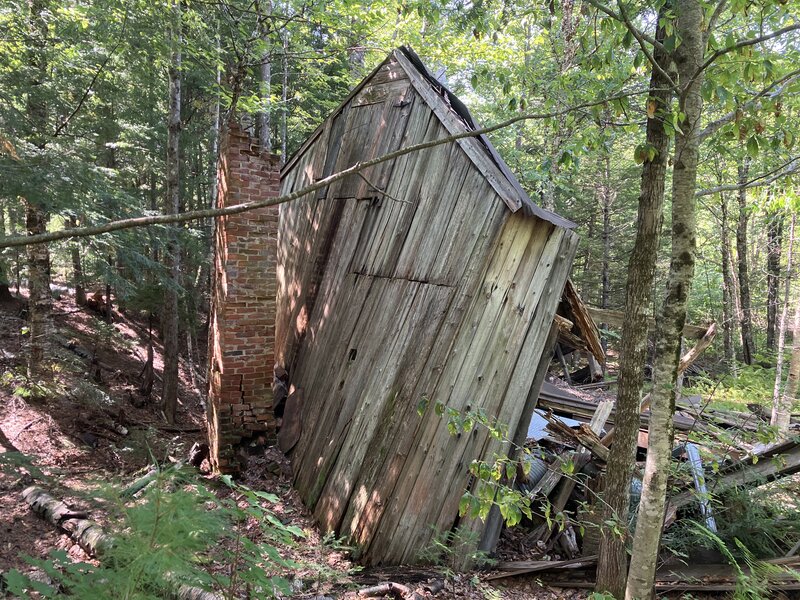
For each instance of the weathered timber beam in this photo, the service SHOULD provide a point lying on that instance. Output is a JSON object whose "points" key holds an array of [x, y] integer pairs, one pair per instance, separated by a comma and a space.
{"points": [[615, 318]]}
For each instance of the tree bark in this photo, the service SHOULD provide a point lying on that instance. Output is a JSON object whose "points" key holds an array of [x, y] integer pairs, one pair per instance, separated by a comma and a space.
{"points": [[612, 558], [782, 402], [264, 134], [650, 521], [728, 309], [170, 324], [77, 268], [40, 301], [748, 349], [774, 251], [285, 89], [793, 377]]}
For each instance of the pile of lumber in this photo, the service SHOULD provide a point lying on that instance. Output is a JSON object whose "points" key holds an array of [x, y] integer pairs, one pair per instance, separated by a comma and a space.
{"points": [[567, 465]]}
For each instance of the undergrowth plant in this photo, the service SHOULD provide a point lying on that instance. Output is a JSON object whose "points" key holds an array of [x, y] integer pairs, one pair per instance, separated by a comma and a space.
{"points": [[179, 533]]}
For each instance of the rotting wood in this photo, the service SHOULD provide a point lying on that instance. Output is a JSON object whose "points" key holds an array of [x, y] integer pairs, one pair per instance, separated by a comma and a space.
{"points": [[88, 534], [583, 320], [445, 296], [773, 463]]}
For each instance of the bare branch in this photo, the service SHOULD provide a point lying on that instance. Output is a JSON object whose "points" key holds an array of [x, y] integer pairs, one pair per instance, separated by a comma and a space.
{"points": [[640, 39], [788, 168], [193, 215], [97, 74]]}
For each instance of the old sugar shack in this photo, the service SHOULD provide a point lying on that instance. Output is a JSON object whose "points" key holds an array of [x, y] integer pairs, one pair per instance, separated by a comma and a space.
{"points": [[428, 279]]}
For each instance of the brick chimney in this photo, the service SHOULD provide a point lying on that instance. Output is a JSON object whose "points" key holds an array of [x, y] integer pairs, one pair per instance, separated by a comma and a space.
{"points": [[241, 337]]}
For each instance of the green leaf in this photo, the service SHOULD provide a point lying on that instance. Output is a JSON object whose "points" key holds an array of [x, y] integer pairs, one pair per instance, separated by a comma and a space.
{"points": [[464, 504], [752, 147], [422, 405]]}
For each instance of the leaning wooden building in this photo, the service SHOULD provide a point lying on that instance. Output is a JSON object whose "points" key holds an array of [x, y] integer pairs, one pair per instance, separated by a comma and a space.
{"points": [[429, 279]]}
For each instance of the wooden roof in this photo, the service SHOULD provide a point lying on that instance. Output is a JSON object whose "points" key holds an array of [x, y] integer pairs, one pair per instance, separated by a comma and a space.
{"points": [[455, 117]]}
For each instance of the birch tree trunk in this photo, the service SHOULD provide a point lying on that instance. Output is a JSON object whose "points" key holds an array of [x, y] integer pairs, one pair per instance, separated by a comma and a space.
{"points": [[782, 402], [172, 258], [793, 377], [650, 521], [748, 349], [612, 560]]}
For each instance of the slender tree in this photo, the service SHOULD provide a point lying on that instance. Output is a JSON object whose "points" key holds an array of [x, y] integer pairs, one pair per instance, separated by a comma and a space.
{"points": [[612, 561], [774, 241], [782, 399], [689, 58], [170, 315], [36, 215], [748, 348]]}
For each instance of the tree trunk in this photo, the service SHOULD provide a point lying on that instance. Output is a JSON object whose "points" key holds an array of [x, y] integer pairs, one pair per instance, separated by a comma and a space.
{"points": [[169, 391], [40, 301], [650, 521], [748, 349], [793, 377], [5, 287], [285, 89], [774, 240], [77, 267], [609, 195], [782, 402], [728, 310], [264, 135], [612, 560]]}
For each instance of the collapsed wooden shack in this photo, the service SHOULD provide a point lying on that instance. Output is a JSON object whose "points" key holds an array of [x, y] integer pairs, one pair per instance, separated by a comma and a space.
{"points": [[431, 279]]}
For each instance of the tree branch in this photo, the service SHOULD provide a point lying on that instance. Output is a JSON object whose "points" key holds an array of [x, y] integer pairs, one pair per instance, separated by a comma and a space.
{"points": [[788, 168], [193, 215], [741, 44], [618, 17], [641, 41], [783, 82], [88, 90]]}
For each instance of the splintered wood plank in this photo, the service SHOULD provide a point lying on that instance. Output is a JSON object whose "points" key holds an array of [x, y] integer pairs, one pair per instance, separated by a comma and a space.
{"points": [[472, 146], [432, 220], [426, 184], [363, 126], [548, 279], [468, 210], [380, 343], [371, 533]]}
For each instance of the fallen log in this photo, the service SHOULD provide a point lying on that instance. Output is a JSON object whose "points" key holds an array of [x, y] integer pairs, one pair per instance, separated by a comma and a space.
{"points": [[89, 535], [523, 567]]}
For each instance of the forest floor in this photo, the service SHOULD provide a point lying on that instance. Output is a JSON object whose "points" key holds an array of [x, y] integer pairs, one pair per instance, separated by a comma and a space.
{"points": [[87, 428]]}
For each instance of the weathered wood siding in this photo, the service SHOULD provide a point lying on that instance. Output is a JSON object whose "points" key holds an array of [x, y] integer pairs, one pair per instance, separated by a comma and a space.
{"points": [[415, 281]]}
